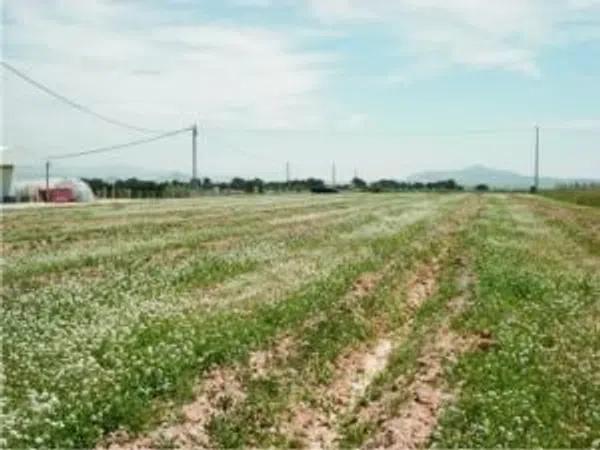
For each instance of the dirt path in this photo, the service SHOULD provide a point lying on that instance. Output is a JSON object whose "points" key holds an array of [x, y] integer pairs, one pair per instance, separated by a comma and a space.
{"points": [[316, 425], [418, 417], [426, 395]]}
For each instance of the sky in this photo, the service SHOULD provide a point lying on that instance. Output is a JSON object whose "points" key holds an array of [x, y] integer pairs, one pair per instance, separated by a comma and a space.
{"points": [[383, 88]]}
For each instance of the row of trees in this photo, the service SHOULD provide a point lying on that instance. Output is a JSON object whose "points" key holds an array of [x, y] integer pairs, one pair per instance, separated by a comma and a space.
{"points": [[258, 185], [393, 185], [575, 186], [136, 188]]}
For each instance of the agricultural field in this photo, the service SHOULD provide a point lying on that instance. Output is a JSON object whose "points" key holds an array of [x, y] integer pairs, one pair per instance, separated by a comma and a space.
{"points": [[585, 197], [359, 320]]}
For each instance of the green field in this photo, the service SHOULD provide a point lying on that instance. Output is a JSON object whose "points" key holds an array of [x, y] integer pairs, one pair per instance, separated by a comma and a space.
{"points": [[359, 320], [584, 197]]}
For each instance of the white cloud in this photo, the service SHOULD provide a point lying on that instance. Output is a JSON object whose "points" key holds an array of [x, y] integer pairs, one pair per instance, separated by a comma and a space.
{"points": [[128, 60], [592, 124], [343, 10], [354, 122], [584, 4], [481, 34], [252, 3]]}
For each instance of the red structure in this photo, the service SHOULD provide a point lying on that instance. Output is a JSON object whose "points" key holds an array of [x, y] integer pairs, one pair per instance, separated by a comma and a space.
{"points": [[58, 195]]}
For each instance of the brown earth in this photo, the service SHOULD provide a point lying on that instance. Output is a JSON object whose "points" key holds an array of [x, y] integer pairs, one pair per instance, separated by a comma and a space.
{"points": [[220, 391], [413, 425], [426, 395], [315, 425]]}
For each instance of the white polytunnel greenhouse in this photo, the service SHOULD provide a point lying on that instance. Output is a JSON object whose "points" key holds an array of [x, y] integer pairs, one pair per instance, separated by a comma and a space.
{"points": [[60, 190]]}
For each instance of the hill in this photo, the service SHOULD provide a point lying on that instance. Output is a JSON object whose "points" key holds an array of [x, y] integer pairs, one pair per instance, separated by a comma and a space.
{"points": [[473, 175]]}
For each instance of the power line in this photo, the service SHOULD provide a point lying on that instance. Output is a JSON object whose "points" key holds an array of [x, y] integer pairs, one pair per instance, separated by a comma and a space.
{"points": [[73, 103], [235, 148], [120, 146], [387, 132], [227, 145]]}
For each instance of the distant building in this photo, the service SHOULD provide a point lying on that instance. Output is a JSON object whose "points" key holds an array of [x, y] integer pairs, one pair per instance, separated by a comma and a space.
{"points": [[59, 191], [59, 195], [6, 172]]}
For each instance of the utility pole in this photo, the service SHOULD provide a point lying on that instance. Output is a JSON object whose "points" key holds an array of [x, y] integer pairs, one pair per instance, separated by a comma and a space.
{"points": [[194, 153], [287, 174], [536, 177], [333, 174], [48, 180]]}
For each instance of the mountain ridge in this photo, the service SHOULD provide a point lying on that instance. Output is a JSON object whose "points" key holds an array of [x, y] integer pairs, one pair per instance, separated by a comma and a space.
{"points": [[496, 178], [469, 176]]}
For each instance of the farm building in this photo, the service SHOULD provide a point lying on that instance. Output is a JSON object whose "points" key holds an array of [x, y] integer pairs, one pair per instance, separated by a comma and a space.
{"points": [[59, 191], [6, 171]]}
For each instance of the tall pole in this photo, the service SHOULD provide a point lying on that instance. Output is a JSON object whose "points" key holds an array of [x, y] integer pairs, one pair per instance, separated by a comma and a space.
{"points": [[48, 180], [537, 158], [333, 174], [194, 153], [287, 174]]}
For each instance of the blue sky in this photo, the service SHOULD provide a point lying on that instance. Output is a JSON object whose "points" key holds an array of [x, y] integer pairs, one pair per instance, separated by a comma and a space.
{"points": [[386, 87]]}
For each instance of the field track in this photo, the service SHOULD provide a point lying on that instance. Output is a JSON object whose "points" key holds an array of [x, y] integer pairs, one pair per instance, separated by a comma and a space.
{"points": [[363, 320]]}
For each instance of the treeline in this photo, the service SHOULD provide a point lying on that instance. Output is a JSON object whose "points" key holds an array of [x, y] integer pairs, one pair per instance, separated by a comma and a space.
{"points": [[575, 186], [394, 186], [135, 188]]}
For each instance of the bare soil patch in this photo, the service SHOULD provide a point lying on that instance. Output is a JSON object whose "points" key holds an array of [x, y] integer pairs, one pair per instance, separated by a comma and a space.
{"points": [[427, 393], [412, 427], [315, 425], [422, 284], [366, 283], [220, 391]]}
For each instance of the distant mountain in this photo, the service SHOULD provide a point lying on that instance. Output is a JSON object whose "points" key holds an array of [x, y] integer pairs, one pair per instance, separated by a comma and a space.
{"points": [[474, 175], [469, 176]]}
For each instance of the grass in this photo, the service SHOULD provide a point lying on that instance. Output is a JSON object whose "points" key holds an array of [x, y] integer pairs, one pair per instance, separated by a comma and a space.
{"points": [[341, 324], [388, 388], [111, 316], [126, 334], [583, 197], [540, 387]]}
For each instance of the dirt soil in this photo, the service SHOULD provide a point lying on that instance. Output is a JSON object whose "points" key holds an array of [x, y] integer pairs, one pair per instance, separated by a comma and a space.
{"points": [[427, 394], [221, 390], [412, 427], [315, 426]]}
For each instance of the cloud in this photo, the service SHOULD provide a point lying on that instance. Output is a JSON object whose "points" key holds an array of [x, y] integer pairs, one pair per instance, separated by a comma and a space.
{"points": [[252, 3], [591, 124], [163, 67], [354, 122], [479, 34], [343, 10]]}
